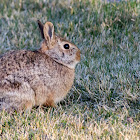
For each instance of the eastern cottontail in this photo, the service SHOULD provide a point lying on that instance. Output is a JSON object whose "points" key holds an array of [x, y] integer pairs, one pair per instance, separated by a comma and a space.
{"points": [[41, 77]]}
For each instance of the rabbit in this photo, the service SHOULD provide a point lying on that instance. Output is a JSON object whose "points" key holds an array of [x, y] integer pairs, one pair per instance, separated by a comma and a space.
{"points": [[42, 77]]}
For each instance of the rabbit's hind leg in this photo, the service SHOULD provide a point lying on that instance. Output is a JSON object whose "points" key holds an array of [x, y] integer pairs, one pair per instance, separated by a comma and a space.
{"points": [[13, 103], [10, 103], [17, 100]]}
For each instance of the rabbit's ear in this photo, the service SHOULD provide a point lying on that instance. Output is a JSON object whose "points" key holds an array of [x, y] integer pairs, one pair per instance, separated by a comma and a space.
{"points": [[41, 26], [48, 31]]}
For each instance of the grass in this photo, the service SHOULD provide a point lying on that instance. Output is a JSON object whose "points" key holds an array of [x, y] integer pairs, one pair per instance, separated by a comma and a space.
{"points": [[104, 102]]}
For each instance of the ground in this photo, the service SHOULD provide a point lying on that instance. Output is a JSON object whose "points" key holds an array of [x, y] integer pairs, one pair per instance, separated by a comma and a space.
{"points": [[104, 102]]}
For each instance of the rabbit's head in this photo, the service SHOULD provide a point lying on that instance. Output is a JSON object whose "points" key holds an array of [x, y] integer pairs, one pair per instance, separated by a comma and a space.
{"points": [[58, 48]]}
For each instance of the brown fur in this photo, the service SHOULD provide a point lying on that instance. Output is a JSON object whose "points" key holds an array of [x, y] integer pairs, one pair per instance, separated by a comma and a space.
{"points": [[41, 77]]}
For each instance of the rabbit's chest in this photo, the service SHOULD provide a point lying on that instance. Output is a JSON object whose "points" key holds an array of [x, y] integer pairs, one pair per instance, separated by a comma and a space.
{"points": [[63, 87], [52, 89]]}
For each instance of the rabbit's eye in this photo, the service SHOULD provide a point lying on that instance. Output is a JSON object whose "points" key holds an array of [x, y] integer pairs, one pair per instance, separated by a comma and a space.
{"points": [[66, 46]]}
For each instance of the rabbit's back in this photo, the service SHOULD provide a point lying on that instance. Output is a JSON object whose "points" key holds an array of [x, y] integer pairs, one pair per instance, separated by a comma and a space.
{"points": [[15, 61]]}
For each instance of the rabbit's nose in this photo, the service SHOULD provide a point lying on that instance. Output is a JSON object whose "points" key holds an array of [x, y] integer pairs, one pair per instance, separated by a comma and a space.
{"points": [[78, 55]]}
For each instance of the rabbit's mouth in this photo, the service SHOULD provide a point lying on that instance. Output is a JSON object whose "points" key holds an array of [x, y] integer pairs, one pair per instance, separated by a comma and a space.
{"points": [[72, 64], [68, 63]]}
